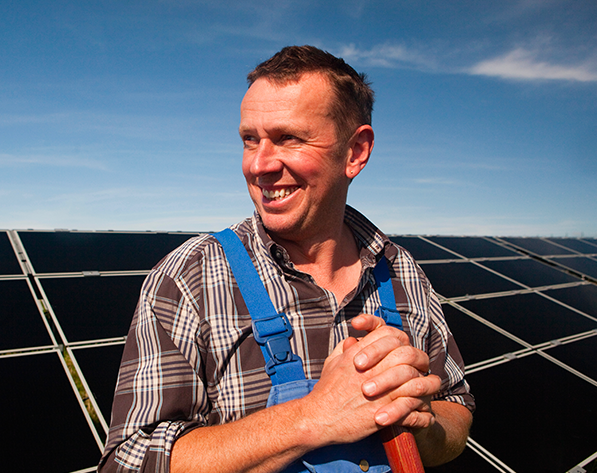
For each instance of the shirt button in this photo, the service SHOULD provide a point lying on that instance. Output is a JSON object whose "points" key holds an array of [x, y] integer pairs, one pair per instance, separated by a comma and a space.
{"points": [[364, 465]]}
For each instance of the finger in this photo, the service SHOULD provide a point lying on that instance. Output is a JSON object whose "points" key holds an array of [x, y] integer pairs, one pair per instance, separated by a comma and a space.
{"points": [[373, 350], [400, 380], [376, 327], [408, 355], [349, 342], [417, 420], [379, 345], [337, 351], [367, 322], [406, 411], [422, 386]]}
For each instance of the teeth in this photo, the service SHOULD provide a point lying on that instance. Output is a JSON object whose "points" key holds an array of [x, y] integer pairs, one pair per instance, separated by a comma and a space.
{"points": [[278, 193]]}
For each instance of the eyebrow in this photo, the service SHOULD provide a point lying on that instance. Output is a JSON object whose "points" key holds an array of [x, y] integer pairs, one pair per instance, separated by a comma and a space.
{"points": [[277, 130]]}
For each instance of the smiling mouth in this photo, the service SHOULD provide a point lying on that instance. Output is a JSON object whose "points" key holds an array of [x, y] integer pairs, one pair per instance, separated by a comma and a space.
{"points": [[278, 193]]}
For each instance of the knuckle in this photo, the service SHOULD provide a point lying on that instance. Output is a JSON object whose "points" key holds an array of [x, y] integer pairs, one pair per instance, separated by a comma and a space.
{"points": [[419, 420], [435, 382], [405, 355], [419, 387]]}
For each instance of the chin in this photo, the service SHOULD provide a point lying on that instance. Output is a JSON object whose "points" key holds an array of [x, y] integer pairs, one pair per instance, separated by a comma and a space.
{"points": [[280, 226]]}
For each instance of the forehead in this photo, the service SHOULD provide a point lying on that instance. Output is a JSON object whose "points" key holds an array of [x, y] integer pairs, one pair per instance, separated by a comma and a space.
{"points": [[308, 98]]}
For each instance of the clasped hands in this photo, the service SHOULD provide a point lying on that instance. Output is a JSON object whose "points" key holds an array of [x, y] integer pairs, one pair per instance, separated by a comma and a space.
{"points": [[375, 381]]}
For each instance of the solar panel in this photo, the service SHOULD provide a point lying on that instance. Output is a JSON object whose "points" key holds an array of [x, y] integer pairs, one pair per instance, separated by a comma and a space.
{"points": [[47, 428], [530, 272], [88, 308], [421, 249], [22, 323], [463, 278], [8, 260], [476, 340], [526, 416], [100, 365], [531, 317], [539, 246], [583, 298], [473, 247], [52, 252], [584, 247], [586, 266], [523, 311]]}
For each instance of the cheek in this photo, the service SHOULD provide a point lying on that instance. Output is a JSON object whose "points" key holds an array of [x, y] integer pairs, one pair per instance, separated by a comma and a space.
{"points": [[246, 167]]}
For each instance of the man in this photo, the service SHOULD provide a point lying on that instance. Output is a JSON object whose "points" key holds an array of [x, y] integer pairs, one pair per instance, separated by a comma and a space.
{"points": [[192, 388]]}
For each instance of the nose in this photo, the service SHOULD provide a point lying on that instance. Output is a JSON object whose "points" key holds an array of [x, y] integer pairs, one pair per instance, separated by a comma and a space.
{"points": [[263, 159]]}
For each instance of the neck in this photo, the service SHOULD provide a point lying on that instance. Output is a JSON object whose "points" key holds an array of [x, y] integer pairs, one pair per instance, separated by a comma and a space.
{"points": [[333, 261]]}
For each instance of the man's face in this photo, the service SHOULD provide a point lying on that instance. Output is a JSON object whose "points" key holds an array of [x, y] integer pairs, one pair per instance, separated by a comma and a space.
{"points": [[293, 164]]}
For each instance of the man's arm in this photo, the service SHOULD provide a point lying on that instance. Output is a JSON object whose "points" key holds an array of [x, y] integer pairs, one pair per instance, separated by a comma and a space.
{"points": [[158, 386], [446, 438], [265, 441], [336, 411]]}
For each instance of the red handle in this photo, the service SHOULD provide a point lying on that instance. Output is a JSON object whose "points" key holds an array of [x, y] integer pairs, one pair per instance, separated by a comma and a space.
{"points": [[401, 450]]}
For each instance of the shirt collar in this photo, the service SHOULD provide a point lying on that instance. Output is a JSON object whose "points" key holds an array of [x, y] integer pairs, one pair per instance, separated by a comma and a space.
{"points": [[373, 243]]}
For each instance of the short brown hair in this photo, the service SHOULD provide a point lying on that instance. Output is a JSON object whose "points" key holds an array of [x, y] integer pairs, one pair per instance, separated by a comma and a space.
{"points": [[353, 102]]}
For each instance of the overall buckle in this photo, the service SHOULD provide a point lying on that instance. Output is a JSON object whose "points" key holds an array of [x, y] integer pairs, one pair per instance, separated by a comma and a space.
{"points": [[273, 333]]}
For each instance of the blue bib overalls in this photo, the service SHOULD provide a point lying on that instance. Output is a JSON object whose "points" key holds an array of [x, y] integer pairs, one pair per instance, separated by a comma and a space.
{"points": [[272, 331]]}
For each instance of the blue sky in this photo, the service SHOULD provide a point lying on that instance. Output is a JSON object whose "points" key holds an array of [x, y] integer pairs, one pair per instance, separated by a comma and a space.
{"points": [[123, 114]]}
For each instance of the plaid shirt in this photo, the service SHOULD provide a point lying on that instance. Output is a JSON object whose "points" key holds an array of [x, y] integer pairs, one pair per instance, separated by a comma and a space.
{"points": [[190, 358]]}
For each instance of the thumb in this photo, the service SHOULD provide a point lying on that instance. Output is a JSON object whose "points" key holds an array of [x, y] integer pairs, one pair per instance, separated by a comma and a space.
{"points": [[349, 342]]}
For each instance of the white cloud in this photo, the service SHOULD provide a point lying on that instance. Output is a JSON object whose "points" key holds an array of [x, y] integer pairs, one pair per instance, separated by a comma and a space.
{"points": [[520, 63], [524, 65], [386, 55]]}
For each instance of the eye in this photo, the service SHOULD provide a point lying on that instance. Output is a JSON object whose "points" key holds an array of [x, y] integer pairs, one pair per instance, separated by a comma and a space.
{"points": [[288, 138], [248, 140]]}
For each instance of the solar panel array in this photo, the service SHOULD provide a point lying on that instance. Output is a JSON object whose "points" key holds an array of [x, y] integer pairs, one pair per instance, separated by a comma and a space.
{"points": [[523, 310]]}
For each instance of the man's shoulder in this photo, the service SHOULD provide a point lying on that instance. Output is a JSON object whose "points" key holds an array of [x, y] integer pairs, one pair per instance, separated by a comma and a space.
{"points": [[366, 233], [184, 255], [193, 252]]}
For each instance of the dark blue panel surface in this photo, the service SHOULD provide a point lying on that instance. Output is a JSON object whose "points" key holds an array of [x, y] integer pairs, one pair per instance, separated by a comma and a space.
{"points": [[530, 272], [460, 279], [583, 265], [473, 247], [583, 298], [48, 431], [100, 368], [52, 252], [539, 246], [22, 324], [579, 355], [94, 307], [526, 417], [531, 317], [477, 342], [576, 245], [8, 260], [421, 250]]}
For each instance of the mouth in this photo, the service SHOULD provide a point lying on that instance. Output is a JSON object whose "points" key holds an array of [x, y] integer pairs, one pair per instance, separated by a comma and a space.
{"points": [[278, 194]]}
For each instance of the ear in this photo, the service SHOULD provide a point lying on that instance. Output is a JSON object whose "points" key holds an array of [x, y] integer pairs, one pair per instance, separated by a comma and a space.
{"points": [[360, 147]]}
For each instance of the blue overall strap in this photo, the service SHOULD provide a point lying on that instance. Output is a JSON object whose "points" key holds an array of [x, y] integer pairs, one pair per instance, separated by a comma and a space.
{"points": [[387, 310], [271, 330]]}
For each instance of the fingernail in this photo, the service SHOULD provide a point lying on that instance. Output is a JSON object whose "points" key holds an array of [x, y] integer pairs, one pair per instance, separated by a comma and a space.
{"points": [[382, 418], [360, 360], [369, 388]]}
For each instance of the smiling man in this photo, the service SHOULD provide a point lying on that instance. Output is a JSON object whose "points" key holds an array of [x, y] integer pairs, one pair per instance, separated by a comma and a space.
{"points": [[207, 383]]}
